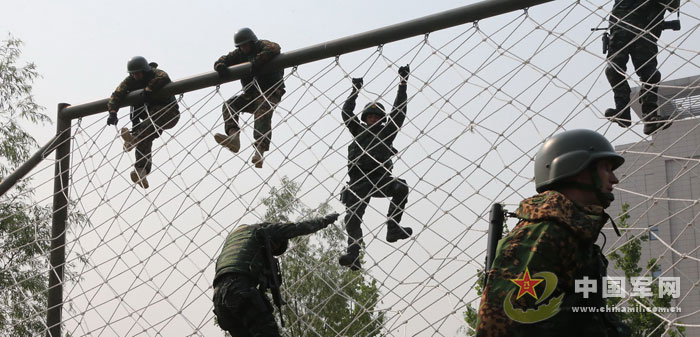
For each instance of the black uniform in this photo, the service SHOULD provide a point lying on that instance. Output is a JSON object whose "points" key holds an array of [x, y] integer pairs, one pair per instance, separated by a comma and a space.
{"points": [[635, 26], [369, 169]]}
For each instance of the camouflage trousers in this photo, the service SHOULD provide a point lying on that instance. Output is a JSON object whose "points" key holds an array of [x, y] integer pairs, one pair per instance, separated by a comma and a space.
{"points": [[360, 190], [148, 125], [261, 106], [241, 309], [641, 47]]}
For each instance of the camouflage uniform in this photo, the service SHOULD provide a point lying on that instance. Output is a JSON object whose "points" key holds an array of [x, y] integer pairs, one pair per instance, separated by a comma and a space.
{"points": [[635, 26], [261, 105], [370, 165], [554, 235], [162, 113], [242, 272]]}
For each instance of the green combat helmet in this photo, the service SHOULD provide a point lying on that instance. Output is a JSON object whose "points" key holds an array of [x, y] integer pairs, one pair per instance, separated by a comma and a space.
{"points": [[569, 153], [372, 108], [137, 63], [243, 36]]}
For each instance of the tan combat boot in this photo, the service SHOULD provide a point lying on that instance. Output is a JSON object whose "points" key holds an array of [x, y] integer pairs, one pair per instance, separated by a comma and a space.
{"points": [[138, 176], [129, 140], [258, 157], [231, 142]]}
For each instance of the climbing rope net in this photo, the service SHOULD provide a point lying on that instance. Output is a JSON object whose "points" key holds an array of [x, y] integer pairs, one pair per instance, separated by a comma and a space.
{"points": [[482, 99]]}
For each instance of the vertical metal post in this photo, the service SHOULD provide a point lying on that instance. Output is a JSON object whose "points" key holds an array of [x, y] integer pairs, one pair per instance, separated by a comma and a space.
{"points": [[57, 257]]}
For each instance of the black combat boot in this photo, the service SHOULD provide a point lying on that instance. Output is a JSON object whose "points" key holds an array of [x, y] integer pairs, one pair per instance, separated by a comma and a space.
{"points": [[653, 122], [395, 232], [351, 259], [623, 119]]}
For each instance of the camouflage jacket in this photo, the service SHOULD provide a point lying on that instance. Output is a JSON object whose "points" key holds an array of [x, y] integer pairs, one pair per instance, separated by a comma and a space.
{"points": [[154, 80], [555, 243], [641, 13], [244, 248], [372, 147], [264, 51]]}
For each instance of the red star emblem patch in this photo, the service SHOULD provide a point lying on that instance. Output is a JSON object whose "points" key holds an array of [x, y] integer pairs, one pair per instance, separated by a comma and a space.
{"points": [[526, 285]]}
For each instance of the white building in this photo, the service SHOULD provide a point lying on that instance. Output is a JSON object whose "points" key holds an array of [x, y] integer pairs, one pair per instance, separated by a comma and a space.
{"points": [[660, 180]]}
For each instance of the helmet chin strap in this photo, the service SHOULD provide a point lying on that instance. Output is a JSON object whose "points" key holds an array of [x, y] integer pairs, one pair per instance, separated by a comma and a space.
{"points": [[605, 198]]}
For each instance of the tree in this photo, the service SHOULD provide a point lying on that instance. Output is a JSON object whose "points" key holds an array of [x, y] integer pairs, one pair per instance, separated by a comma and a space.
{"points": [[24, 226], [626, 259], [323, 298]]}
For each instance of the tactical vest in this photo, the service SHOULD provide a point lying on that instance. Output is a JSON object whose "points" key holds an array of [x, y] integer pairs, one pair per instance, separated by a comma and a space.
{"points": [[242, 253], [368, 152]]}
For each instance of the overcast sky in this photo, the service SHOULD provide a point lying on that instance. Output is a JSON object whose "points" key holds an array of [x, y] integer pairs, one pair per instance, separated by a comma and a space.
{"points": [[469, 140]]}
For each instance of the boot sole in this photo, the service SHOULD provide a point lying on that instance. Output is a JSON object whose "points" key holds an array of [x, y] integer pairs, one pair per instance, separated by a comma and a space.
{"points": [[141, 182]]}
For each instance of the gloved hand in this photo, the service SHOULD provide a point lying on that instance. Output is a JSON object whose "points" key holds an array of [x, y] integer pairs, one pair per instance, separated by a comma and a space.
{"points": [[220, 68], [146, 94], [329, 219], [112, 119], [403, 72], [357, 83]]}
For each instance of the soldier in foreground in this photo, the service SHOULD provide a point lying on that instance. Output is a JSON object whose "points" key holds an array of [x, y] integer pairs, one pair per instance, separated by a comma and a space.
{"points": [[635, 26], [246, 267], [148, 120], [370, 165], [261, 93], [530, 289]]}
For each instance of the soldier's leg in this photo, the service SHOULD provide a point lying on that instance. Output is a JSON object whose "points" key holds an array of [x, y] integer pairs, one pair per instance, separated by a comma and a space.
{"points": [[165, 116], [231, 111], [259, 320], [616, 73], [397, 190], [646, 65], [143, 164], [264, 108], [355, 197]]}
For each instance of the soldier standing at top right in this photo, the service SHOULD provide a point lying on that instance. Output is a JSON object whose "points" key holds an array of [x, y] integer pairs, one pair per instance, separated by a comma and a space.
{"points": [[635, 26]]}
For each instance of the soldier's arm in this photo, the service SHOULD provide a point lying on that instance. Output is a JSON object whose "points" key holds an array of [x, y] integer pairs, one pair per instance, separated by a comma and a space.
{"points": [[290, 230], [349, 118], [268, 50], [118, 95], [229, 59], [398, 114], [159, 81]]}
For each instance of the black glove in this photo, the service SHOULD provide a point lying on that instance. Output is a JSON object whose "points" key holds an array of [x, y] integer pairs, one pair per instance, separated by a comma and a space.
{"points": [[329, 219], [112, 119], [357, 83], [146, 95], [403, 72], [220, 68]]}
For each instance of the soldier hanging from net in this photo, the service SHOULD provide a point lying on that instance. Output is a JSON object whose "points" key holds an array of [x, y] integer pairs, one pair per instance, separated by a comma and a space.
{"points": [[635, 26], [370, 165], [261, 92], [147, 120], [246, 268]]}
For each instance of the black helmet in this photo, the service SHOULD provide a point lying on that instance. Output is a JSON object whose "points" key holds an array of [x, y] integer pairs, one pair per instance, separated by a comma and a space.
{"points": [[138, 63], [373, 108], [243, 36], [569, 153]]}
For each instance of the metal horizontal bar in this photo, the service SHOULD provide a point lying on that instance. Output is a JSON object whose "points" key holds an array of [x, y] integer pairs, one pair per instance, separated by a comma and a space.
{"points": [[27, 166], [424, 25]]}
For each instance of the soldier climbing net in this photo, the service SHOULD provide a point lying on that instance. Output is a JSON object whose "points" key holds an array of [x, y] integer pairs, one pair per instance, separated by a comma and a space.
{"points": [[482, 99]]}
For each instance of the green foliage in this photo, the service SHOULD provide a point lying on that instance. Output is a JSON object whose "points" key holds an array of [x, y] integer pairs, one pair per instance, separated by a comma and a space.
{"points": [[24, 226], [323, 298], [626, 258]]}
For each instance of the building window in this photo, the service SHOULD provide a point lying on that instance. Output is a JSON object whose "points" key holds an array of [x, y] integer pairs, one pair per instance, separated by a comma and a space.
{"points": [[653, 233]]}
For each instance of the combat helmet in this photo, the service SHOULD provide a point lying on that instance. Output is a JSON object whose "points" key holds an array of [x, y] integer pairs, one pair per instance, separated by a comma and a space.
{"points": [[138, 63], [372, 108], [243, 36], [567, 154]]}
